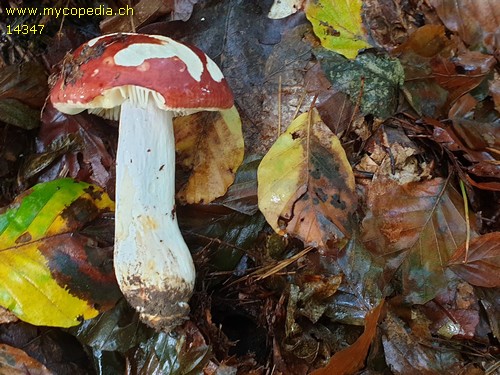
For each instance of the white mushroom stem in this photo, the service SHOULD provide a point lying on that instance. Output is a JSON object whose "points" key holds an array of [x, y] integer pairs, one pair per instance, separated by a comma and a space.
{"points": [[153, 265]]}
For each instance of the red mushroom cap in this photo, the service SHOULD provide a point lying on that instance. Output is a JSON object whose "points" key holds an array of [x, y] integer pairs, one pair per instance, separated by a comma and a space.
{"points": [[107, 70]]}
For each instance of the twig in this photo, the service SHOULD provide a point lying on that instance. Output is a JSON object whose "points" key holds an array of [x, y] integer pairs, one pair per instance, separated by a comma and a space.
{"points": [[467, 222]]}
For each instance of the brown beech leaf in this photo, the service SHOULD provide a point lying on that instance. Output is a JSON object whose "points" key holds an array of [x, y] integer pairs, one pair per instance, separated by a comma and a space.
{"points": [[14, 361], [142, 13], [352, 359], [495, 92], [480, 265], [454, 312], [210, 147], [406, 354], [306, 184], [415, 226], [23, 89], [26, 82], [89, 160], [476, 22], [438, 70]]}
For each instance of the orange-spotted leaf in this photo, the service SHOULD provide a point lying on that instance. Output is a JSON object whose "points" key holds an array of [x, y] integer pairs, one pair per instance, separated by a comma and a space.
{"points": [[306, 184], [51, 275], [482, 265], [338, 25], [210, 148], [352, 359]]}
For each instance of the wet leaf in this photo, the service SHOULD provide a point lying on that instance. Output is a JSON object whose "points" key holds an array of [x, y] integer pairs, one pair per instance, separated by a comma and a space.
{"points": [[23, 89], [310, 299], [480, 264], [16, 113], [475, 22], [406, 354], [180, 353], [415, 226], [495, 92], [88, 158], [50, 275], [375, 78], [361, 287], [306, 184], [438, 71], [210, 146], [118, 329], [26, 82], [242, 194], [338, 25], [352, 359], [14, 361], [490, 300], [229, 232], [454, 312]]}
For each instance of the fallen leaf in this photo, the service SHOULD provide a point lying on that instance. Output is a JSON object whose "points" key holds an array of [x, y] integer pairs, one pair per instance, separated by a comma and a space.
{"points": [[352, 359], [338, 25], [241, 196], [228, 232], [415, 226], [25, 82], [438, 71], [88, 159], [362, 283], [182, 352], [387, 22], [475, 22], [16, 113], [117, 329], [310, 300], [480, 264], [454, 312], [210, 146], [306, 185], [50, 275], [495, 91], [284, 8], [22, 92], [15, 361], [142, 13], [370, 80], [406, 354]]}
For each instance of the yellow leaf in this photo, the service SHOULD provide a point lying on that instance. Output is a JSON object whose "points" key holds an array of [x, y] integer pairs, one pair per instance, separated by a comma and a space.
{"points": [[210, 147], [50, 275], [338, 25], [306, 185]]}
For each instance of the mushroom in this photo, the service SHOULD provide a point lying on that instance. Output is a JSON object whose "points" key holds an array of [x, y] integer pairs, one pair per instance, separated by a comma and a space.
{"points": [[145, 80]]}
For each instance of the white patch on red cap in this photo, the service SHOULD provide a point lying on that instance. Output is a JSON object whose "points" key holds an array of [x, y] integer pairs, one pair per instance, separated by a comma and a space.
{"points": [[136, 54], [214, 70], [91, 42]]}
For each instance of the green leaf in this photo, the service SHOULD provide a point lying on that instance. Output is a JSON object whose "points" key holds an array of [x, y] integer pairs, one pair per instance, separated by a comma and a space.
{"points": [[50, 275], [338, 25], [376, 78]]}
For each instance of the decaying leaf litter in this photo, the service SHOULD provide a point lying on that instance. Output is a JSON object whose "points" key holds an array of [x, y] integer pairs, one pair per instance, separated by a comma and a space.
{"points": [[361, 257]]}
